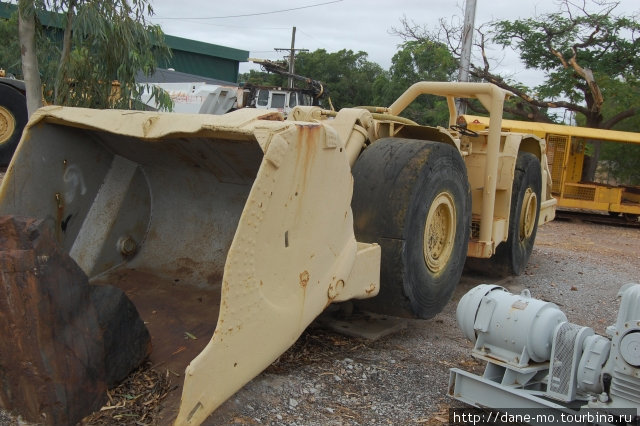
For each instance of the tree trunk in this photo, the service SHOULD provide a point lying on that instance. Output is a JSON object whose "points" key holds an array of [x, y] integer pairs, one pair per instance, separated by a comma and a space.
{"points": [[590, 165], [61, 74], [30, 71]]}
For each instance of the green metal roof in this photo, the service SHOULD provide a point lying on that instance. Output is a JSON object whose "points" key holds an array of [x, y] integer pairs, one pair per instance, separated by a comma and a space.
{"points": [[209, 49], [6, 10]]}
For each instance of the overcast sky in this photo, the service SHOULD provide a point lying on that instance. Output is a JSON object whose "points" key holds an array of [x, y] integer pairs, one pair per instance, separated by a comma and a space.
{"points": [[357, 25]]}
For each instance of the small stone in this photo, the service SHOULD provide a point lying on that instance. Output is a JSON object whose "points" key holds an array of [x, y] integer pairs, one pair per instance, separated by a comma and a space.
{"points": [[336, 378], [293, 403], [278, 416], [331, 410]]}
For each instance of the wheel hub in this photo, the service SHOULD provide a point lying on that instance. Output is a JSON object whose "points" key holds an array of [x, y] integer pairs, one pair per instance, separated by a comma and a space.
{"points": [[7, 124], [439, 232], [528, 214]]}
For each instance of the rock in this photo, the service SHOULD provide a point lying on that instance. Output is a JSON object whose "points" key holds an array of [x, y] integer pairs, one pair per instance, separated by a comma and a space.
{"points": [[62, 341], [51, 348], [126, 339]]}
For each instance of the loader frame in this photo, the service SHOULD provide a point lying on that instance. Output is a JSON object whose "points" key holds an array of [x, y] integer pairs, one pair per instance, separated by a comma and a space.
{"points": [[247, 205]]}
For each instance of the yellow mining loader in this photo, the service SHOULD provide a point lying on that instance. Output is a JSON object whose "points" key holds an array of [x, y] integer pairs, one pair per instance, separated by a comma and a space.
{"points": [[13, 115], [238, 230]]}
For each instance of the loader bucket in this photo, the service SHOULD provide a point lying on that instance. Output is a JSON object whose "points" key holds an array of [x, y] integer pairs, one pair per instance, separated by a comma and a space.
{"points": [[229, 233]]}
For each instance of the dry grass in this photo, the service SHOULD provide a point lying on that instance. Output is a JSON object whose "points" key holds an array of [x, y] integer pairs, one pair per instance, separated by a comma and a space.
{"points": [[136, 401]]}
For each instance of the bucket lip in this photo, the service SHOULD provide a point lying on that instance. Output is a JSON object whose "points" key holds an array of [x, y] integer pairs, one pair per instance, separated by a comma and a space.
{"points": [[151, 125]]}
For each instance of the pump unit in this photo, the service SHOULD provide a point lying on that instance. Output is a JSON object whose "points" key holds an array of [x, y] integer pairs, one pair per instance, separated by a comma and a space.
{"points": [[537, 359]]}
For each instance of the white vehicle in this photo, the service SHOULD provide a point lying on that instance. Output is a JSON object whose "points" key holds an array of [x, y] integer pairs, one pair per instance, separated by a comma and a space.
{"points": [[277, 99], [195, 98], [204, 98]]}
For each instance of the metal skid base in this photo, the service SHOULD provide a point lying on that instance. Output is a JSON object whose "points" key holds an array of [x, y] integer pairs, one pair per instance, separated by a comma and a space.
{"points": [[484, 393]]}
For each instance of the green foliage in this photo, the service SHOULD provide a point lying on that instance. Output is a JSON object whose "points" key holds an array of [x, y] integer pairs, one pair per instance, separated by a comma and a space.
{"points": [[348, 76], [622, 162], [562, 45], [10, 48], [10, 59], [260, 78], [418, 61], [590, 61], [110, 41], [352, 80]]}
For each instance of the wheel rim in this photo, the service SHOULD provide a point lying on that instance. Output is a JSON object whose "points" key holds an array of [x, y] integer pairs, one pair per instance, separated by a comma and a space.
{"points": [[528, 214], [7, 124], [439, 232]]}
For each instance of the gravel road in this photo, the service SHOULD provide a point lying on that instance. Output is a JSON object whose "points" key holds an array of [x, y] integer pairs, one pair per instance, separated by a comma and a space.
{"points": [[330, 379]]}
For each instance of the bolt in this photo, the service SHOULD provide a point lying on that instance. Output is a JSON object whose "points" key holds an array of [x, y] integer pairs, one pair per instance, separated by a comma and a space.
{"points": [[127, 246]]}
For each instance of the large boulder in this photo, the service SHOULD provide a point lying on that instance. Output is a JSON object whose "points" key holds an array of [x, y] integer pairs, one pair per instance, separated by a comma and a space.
{"points": [[62, 341]]}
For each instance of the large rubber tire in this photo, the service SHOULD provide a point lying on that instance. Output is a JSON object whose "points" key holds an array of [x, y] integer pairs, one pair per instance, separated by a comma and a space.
{"points": [[412, 197], [511, 257], [13, 118]]}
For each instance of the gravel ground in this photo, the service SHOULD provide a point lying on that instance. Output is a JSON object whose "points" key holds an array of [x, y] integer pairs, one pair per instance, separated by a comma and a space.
{"points": [[330, 379], [402, 379]]}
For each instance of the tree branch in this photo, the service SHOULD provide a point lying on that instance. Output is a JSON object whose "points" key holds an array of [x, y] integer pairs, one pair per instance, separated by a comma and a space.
{"points": [[619, 117], [498, 81], [483, 51], [587, 75], [558, 55], [534, 114]]}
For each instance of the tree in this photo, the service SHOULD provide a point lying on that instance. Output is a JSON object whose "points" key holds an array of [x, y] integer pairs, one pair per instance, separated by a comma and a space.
{"points": [[263, 78], [349, 76], [418, 61], [586, 57], [621, 161], [102, 41], [10, 48]]}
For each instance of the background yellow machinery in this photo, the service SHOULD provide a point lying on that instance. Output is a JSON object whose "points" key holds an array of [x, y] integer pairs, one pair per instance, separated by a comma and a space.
{"points": [[565, 155]]}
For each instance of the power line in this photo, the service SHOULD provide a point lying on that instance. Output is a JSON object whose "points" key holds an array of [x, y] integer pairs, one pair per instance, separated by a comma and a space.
{"points": [[259, 13], [253, 27]]}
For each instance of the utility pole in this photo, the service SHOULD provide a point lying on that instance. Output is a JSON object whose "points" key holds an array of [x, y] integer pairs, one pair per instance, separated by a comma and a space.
{"points": [[292, 55], [467, 42]]}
